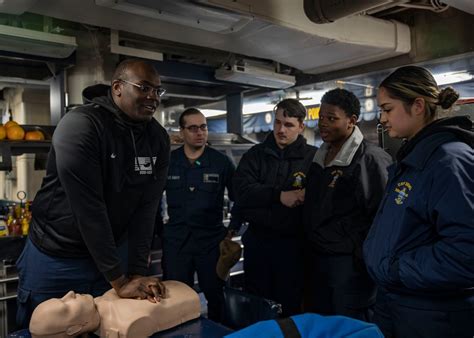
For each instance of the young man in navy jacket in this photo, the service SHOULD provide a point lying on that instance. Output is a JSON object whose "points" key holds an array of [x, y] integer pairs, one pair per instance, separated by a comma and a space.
{"points": [[345, 186], [270, 186]]}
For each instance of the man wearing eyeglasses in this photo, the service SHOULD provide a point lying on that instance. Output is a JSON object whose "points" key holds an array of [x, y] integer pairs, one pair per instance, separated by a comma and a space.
{"points": [[197, 178], [105, 176]]}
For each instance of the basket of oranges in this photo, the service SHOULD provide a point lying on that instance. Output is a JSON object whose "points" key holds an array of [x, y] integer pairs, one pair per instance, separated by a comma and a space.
{"points": [[12, 131]]}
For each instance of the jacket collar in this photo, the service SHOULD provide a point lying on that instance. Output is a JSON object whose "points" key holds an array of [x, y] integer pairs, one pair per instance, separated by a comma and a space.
{"points": [[296, 149], [418, 150], [203, 160], [345, 155], [420, 154]]}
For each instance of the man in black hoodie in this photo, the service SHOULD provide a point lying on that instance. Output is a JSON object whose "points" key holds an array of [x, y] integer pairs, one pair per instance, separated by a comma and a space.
{"points": [[269, 187], [105, 175]]}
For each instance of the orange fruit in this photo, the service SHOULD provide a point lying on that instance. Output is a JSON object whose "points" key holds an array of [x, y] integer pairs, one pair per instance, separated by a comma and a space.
{"points": [[10, 124], [15, 133], [3, 132], [34, 135]]}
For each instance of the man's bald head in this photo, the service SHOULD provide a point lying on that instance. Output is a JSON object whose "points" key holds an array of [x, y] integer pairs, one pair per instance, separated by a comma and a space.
{"points": [[122, 72]]}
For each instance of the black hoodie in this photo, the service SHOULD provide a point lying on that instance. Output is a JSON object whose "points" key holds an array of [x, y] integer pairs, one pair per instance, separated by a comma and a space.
{"points": [[104, 179]]}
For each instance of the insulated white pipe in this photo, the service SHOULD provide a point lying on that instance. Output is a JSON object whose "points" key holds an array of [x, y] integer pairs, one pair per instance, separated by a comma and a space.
{"points": [[463, 5]]}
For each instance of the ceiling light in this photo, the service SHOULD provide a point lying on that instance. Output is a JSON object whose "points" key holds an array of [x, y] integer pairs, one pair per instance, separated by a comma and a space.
{"points": [[212, 112], [452, 77], [254, 108], [255, 76]]}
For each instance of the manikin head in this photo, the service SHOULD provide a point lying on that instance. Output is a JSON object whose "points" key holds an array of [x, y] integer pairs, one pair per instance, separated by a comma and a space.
{"points": [[73, 315]]}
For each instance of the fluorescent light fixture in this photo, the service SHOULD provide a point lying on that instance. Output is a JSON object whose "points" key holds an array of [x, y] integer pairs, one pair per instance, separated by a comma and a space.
{"points": [[116, 48], [255, 108], [27, 41], [255, 76], [184, 13], [315, 95], [452, 77], [212, 112]]}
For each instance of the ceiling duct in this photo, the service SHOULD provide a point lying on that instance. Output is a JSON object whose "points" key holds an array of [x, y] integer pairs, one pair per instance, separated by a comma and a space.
{"points": [[30, 42], [279, 30], [325, 11], [463, 5], [16, 7], [255, 76]]}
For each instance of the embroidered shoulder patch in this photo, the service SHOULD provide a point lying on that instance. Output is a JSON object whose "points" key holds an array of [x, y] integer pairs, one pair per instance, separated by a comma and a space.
{"points": [[402, 189]]}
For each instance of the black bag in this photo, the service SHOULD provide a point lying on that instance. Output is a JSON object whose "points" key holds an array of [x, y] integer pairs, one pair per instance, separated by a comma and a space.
{"points": [[242, 309]]}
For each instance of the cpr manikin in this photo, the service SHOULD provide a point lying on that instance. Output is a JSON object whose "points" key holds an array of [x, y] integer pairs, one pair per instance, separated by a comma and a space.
{"points": [[114, 317]]}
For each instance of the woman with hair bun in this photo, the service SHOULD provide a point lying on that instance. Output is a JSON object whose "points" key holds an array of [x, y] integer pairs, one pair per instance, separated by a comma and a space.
{"points": [[420, 249]]}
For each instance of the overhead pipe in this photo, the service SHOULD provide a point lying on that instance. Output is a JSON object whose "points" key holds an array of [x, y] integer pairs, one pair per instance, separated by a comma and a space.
{"points": [[325, 11]]}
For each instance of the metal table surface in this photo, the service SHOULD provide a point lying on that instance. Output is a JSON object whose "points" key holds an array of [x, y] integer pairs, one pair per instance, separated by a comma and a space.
{"points": [[200, 327]]}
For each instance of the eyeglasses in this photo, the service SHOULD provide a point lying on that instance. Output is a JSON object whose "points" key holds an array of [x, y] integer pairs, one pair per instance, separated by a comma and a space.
{"points": [[147, 90], [194, 128]]}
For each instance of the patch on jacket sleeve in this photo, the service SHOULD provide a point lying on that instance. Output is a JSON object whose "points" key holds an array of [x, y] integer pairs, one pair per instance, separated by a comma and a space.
{"points": [[402, 189], [299, 180], [335, 175]]}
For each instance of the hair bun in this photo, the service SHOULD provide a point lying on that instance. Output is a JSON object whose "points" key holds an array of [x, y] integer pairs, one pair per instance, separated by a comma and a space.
{"points": [[447, 96]]}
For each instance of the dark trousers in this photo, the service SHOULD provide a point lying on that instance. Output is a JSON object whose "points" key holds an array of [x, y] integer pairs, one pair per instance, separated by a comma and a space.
{"points": [[42, 277], [338, 287], [181, 266], [273, 269], [400, 316]]}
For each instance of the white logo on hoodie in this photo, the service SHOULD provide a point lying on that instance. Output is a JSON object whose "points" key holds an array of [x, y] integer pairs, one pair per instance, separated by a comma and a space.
{"points": [[143, 165]]}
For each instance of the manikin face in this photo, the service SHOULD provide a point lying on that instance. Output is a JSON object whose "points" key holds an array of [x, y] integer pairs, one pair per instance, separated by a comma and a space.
{"points": [[139, 103], [334, 124], [71, 314], [395, 118], [194, 132], [286, 129]]}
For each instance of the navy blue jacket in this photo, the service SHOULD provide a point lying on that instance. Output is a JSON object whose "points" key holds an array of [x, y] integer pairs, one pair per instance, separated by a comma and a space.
{"points": [[195, 198], [422, 238]]}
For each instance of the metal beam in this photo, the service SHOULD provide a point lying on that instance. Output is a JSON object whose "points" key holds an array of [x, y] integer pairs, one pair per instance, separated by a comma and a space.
{"points": [[170, 70], [234, 113], [57, 97]]}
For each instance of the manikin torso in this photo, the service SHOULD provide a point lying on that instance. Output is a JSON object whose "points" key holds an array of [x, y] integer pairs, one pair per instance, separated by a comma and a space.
{"points": [[114, 317]]}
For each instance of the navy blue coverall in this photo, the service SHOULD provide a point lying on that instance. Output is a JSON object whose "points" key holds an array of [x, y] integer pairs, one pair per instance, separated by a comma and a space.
{"points": [[195, 198]]}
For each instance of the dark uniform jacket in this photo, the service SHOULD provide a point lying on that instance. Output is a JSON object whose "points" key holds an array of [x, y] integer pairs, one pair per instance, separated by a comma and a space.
{"points": [[104, 178], [263, 173], [422, 239], [342, 198], [195, 199]]}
